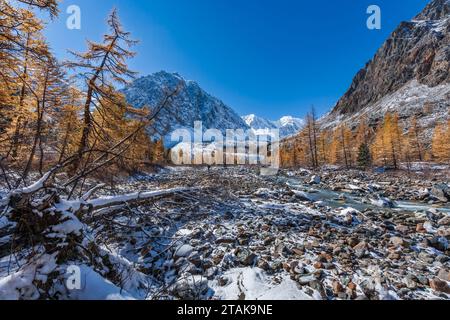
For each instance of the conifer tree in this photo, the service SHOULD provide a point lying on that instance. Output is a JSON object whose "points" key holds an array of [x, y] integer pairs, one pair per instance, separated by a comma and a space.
{"points": [[102, 66], [441, 143], [414, 141], [364, 157], [387, 146]]}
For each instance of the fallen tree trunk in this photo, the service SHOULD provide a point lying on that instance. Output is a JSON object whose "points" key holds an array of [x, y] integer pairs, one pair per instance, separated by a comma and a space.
{"points": [[42, 220], [132, 198]]}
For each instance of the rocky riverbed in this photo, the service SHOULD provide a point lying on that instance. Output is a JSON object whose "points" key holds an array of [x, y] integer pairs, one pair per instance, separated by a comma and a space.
{"points": [[298, 235]]}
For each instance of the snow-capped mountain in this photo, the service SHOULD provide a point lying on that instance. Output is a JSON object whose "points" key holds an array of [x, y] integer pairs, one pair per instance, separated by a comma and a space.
{"points": [[191, 104], [287, 125], [409, 74]]}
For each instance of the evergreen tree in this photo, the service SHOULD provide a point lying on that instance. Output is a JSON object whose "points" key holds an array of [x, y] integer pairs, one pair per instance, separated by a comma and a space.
{"points": [[364, 157]]}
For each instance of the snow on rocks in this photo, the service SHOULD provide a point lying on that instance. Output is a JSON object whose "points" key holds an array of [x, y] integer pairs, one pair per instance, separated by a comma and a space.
{"points": [[253, 238], [315, 180], [254, 284], [183, 251]]}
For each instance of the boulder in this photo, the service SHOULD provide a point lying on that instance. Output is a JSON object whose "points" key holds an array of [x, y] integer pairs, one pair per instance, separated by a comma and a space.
{"points": [[441, 192]]}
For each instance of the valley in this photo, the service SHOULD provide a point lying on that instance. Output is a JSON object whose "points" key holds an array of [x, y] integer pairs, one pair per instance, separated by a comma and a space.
{"points": [[100, 198]]}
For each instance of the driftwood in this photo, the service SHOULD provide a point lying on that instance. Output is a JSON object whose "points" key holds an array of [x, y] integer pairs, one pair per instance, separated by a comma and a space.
{"points": [[133, 198]]}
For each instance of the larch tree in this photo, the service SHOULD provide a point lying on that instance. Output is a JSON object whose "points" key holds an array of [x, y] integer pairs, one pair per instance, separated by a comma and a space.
{"points": [[414, 141], [341, 145], [68, 125], [387, 146], [102, 66], [441, 143], [49, 100], [324, 142], [311, 134], [113, 124], [30, 52]]}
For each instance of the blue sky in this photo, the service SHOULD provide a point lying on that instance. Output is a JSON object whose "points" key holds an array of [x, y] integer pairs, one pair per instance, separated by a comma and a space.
{"points": [[269, 57]]}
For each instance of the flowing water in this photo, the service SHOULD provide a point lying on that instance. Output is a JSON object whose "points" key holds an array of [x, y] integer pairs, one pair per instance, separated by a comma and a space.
{"points": [[337, 199]]}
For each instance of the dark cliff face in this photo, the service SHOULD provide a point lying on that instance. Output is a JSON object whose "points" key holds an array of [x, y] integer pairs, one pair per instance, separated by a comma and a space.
{"points": [[416, 50]]}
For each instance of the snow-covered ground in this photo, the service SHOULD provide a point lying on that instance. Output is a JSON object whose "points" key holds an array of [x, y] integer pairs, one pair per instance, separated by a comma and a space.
{"points": [[233, 234]]}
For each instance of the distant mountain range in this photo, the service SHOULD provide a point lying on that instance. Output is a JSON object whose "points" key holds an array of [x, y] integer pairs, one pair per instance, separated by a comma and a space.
{"points": [[194, 104], [287, 125]]}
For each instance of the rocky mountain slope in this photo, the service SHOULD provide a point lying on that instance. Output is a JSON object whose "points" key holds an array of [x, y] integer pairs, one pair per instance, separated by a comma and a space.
{"points": [[287, 125], [411, 70], [190, 105]]}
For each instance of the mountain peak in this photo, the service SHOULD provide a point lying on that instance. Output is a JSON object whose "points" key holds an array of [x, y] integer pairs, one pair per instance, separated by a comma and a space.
{"points": [[287, 125], [435, 10], [191, 104]]}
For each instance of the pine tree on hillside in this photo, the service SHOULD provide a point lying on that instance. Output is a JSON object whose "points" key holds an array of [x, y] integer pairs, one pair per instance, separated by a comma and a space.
{"points": [[364, 157]]}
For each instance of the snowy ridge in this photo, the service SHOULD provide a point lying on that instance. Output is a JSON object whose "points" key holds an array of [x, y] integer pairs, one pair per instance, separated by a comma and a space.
{"points": [[287, 125], [190, 105], [408, 101]]}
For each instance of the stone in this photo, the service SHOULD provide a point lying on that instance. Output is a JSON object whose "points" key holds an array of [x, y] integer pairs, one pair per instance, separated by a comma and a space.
{"points": [[444, 275], [402, 229], [425, 257], [225, 241], [183, 251], [351, 286], [318, 265], [420, 228], [410, 281], [394, 256], [444, 221], [304, 280], [195, 259], [441, 192], [217, 258], [360, 246], [298, 251], [190, 288], [444, 232], [439, 243], [352, 242], [297, 268], [246, 257], [263, 264], [337, 287], [318, 286], [268, 240], [315, 180], [397, 241], [438, 285], [276, 266], [223, 281]]}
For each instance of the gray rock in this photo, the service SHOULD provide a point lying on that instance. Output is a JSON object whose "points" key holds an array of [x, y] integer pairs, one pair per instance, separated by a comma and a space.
{"points": [[190, 287], [246, 257]]}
